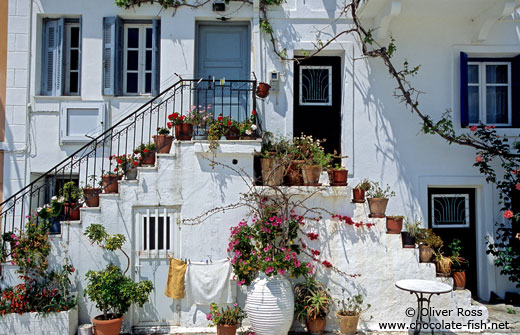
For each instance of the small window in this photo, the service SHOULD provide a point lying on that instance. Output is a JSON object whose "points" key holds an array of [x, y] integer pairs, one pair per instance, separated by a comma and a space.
{"points": [[137, 74], [61, 57], [157, 231], [81, 122], [315, 85], [450, 210]]}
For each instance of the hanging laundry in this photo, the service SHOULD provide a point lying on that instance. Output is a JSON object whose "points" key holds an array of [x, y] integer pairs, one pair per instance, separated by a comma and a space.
{"points": [[175, 283], [207, 283]]}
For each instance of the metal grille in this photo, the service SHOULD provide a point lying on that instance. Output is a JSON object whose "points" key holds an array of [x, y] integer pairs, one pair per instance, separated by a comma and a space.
{"points": [[450, 210], [315, 85], [157, 233]]}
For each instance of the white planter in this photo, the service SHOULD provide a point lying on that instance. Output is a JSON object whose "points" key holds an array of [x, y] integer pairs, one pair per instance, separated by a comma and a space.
{"points": [[270, 305], [62, 323]]}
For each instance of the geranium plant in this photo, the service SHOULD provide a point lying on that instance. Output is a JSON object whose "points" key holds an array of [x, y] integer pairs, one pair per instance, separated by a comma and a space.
{"points": [[124, 163], [248, 127], [226, 316], [176, 118]]}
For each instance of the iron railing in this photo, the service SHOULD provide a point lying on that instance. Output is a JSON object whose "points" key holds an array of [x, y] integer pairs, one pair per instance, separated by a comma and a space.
{"points": [[231, 98]]}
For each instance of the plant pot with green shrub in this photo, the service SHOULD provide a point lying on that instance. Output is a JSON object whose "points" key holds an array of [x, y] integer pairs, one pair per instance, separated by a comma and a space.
{"points": [[459, 265], [147, 153], [110, 181], [248, 128], [408, 236], [358, 193], [91, 191], [313, 153], [226, 319], [312, 302], [163, 140], [274, 159], [72, 196], [183, 125], [112, 291], [127, 165], [377, 198], [338, 175], [349, 312], [428, 242]]}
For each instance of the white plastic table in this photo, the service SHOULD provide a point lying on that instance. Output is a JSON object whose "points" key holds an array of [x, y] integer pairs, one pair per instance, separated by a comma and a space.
{"points": [[422, 288]]}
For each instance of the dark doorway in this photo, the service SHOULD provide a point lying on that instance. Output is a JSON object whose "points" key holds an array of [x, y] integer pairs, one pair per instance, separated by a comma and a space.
{"points": [[317, 100], [451, 215]]}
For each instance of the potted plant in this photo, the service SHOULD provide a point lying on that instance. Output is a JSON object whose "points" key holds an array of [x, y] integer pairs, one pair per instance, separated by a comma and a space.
{"points": [[359, 191], [91, 191], [394, 224], [338, 175], [378, 199], [232, 132], [163, 140], [183, 126], [227, 319], [311, 304], [459, 264], [315, 159], [127, 165], [72, 196], [411, 230], [147, 152], [262, 90], [248, 127], [428, 242], [201, 121], [349, 312], [109, 181], [110, 288], [273, 158]]}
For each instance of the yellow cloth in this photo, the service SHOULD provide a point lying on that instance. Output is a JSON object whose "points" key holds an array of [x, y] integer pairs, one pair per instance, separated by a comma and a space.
{"points": [[175, 284]]}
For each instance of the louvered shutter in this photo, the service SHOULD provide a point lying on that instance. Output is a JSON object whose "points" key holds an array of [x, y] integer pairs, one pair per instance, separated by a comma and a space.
{"points": [[119, 53], [156, 57], [109, 26], [515, 91], [60, 49], [49, 57], [464, 90]]}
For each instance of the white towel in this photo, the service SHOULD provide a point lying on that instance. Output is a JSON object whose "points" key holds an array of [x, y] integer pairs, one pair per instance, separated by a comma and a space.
{"points": [[207, 283]]}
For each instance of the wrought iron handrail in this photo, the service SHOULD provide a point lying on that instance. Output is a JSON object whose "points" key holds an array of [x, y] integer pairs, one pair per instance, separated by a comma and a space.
{"points": [[232, 98]]}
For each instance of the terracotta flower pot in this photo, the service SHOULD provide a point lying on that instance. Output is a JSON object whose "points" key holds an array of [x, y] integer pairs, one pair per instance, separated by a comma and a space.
{"points": [[348, 324], [394, 225], [358, 195], [148, 158], [226, 329], [72, 211], [272, 171], [459, 279], [377, 207], [294, 176], [338, 177], [109, 183], [107, 327], [91, 196], [262, 90], [425, 253], [408, 240], [163, 143], [317, 326], [183, 131], [311, 175]]}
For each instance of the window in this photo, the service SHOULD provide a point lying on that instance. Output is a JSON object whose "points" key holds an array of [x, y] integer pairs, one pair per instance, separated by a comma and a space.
{"points": [[61, 57], [158, 232], [488, 87], [81, 122], [450, 210], [131, 56], [315, 85]]}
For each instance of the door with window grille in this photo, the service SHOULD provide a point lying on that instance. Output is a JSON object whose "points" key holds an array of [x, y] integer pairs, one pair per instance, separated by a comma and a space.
{"points": [[451, 215], [156, 232]]}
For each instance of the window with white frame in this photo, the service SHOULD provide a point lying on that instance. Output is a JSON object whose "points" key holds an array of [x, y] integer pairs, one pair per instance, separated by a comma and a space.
{"points": [[80, 122], [157, 232], [61, 57], [315, 85], [138, 54], [489, 93]]}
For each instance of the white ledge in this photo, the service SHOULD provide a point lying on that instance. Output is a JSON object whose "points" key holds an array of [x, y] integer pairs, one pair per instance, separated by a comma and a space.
{"points": [[324, 190]]}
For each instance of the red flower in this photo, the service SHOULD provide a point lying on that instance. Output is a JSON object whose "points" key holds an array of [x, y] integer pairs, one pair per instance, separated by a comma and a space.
{"points": [[145, 150], [135, 163], [518, 187], [115, 170], [312, 236], [478, 159], [182, 117], [119, 161], [229, 123], [220, 118], [253, 112], [110, 157], [173, 116], [473, 128], [508, 214], [316, 252], [169, 125], [326, 264], [72, 270]]}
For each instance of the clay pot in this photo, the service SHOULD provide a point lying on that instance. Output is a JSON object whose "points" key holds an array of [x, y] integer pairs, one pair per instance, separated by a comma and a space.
{"points": [[183, 131], [348, 324], [163, 143], [317, 326], [358, 195], [148, 158], [425, 253], [394, 224], [72, 211], [226, 329], [377, 207], [311, 175], [272, 171], [263, 90], [459, 279], [91, 196], [107, 327], [338, 177], [294, 176], [408, 240], [109, 183]]}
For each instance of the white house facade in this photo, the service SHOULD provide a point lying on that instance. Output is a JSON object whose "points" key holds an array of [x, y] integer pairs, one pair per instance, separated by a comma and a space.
{"points": [[76, 68]]}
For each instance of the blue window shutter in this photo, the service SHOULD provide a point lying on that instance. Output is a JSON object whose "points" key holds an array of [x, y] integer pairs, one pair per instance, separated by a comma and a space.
{"points": [[119, 52], [109, 45], [156, 57], [60, 50], [48, 57], [515, 90], [464, 109]]}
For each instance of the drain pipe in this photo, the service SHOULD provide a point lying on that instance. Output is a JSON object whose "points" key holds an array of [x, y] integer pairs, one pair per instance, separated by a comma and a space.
{"points": [[28, 108]]}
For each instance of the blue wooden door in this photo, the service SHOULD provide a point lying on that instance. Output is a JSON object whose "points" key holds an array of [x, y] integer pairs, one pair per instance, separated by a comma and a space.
{"points": [[223, 57]]}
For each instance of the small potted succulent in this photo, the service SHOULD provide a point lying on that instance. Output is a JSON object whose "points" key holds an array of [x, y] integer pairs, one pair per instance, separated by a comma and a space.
{"points": [[349, 312], [147, 152], [163, 140], [312, 302], [394, 224], [72, 195], [91, 191], [359, 191], [227, 319], [459, 264], [428, 242], [183, 126], [411, 229], [378, 200], [338, 175]]}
